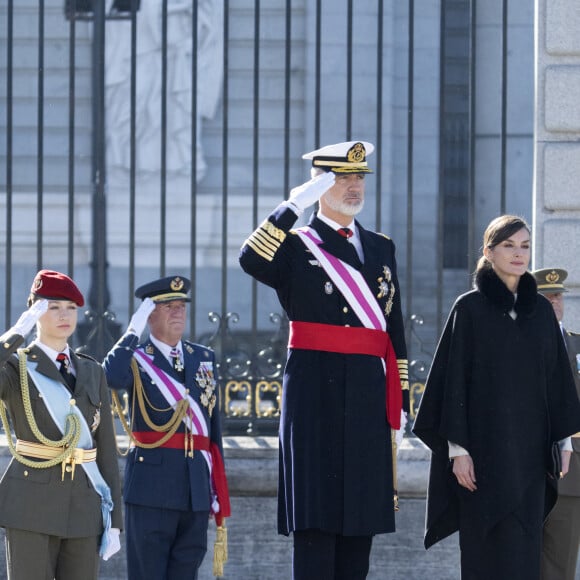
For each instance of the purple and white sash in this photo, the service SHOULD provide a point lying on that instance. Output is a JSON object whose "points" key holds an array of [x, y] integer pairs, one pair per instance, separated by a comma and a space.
{"points": [[173, 392], [348, 280]]}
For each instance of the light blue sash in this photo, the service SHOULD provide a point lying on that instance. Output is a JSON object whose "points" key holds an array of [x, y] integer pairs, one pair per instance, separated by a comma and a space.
{"points": [[57, 400]]}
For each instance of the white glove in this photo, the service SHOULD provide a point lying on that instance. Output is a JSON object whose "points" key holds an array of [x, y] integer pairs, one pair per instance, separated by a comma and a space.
{"points": [[140, 317], [29, 318], [114, 543], [309, 193], [401, 432]]}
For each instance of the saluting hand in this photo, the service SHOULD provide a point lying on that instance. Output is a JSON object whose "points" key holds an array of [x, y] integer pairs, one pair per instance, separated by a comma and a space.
{"points": [[30, 317], [139, 319], [309, 193], [464, 471]]}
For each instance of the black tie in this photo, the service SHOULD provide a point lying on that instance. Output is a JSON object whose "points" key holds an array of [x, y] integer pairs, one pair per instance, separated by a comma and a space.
{"points": [[65, 371]]}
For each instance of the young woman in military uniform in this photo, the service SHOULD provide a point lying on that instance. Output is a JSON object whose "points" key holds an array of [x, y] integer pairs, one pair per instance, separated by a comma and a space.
{"points": [[60, 498]]}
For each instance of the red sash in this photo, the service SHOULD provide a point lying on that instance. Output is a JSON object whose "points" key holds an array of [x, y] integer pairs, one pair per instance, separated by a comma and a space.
{"points": [[354, 340], [218, 472]]}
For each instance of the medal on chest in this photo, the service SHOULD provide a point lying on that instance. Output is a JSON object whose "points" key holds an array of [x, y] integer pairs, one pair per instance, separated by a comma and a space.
{"points": [[386, 289], [205, 380]]}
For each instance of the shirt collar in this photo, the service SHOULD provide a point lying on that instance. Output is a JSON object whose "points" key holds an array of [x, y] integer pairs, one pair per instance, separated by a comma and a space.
{"points": [[164, 347], [51, 353], [334, 225]]}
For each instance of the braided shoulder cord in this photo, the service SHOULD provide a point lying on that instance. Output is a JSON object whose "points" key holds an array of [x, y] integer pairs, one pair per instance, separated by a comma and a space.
{"points": [[72, 432], [121, 411], [168, 428]]}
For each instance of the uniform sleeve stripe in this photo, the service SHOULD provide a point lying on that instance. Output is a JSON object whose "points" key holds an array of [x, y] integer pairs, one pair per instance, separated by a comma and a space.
{"points": [[259, 237], [265, 245], [403, 367], [264, 254], [266, 240], [273, 231]]}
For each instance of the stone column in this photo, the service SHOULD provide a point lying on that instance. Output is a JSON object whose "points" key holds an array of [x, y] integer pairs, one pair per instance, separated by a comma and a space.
{"points": [[556, 222]]}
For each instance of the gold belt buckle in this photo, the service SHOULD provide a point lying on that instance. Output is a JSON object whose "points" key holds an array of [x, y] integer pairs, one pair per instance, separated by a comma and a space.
{"points": [[76, 457]]}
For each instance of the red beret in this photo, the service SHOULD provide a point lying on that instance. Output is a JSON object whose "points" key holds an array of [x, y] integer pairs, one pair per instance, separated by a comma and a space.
{"points": [[56, 286]]}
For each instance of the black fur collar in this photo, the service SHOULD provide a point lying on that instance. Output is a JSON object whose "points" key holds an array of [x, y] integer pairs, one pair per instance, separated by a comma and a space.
{"points": [[492, 287]]}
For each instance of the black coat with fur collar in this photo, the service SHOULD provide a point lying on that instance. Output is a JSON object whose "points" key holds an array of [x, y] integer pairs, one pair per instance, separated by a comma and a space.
{"points": [[502, 389]]}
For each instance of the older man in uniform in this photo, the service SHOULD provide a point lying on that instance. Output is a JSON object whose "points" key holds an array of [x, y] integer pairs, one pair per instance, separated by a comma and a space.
{"points": [[337, 282], [562, 527], [174, 476]]}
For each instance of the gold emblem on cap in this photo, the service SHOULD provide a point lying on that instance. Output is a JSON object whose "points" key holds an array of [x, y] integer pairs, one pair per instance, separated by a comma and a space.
{"points": [[37, 284], [176, 284], [552, 277], [356, 154]]}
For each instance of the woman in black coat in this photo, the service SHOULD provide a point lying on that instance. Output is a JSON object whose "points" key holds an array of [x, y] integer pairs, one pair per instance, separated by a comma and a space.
{"points": [[499, 393]]}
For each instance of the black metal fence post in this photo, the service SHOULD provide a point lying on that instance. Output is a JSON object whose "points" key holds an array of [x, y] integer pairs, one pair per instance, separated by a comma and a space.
{"points": [[99, 331]]}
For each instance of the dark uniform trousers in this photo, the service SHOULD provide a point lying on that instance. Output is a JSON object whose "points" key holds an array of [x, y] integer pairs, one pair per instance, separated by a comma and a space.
{"points": [[320, 555], [34, 556], [166, 544]]}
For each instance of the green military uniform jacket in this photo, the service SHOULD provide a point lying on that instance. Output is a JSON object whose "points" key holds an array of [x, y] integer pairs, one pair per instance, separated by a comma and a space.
{"points": [[39, 500]]}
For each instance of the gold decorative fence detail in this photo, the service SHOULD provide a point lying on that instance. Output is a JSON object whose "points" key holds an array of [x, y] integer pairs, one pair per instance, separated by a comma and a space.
{"points": [[263, 397]]}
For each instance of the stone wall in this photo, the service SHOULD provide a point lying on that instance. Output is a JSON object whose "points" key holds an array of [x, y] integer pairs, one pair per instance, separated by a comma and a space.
{"points": [[557, 144]]}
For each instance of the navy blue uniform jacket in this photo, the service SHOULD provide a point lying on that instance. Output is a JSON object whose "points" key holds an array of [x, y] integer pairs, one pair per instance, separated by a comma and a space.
{"points": [[335, 443], [163, 478]]}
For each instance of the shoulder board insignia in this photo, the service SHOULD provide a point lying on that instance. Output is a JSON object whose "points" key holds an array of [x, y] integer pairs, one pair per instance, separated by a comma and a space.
{"points": [[87, 356]]}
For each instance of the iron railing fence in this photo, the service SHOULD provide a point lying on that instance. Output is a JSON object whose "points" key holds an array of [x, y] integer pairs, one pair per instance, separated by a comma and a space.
{"points": [[142, 139]]}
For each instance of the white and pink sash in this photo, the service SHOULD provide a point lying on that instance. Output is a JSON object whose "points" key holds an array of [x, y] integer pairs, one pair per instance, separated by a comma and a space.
{"points": [[173, 392], [349, 281]]}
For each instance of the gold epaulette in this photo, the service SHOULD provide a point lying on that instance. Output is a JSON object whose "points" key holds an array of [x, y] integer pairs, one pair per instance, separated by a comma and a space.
{"points": [[403, 366], [266, 240]]}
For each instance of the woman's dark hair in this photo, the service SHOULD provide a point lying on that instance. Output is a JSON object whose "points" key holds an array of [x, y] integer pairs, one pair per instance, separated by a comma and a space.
{"points": [[499, 230]]}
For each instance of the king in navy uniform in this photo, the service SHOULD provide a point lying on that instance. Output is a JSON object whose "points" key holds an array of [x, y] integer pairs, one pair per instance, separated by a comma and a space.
{"points": [[345, 380], [174, 476]]}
